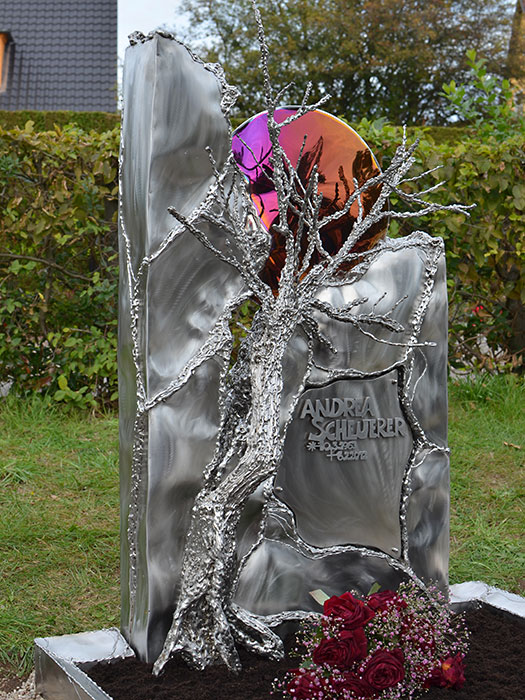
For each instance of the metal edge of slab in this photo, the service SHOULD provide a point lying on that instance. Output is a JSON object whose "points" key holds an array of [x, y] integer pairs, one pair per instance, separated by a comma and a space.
{"points": [[471, 591], [57, 672]]}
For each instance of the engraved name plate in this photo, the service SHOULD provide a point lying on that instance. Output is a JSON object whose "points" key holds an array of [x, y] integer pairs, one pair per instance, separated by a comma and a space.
{"points": [[344, 463]]}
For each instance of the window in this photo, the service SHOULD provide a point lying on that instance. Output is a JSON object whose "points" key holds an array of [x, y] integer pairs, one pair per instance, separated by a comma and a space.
{"points": [[6, 47]]}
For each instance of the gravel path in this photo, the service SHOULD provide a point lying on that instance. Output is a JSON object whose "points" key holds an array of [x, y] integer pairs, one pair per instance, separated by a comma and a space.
{"points": [[26, 691]]}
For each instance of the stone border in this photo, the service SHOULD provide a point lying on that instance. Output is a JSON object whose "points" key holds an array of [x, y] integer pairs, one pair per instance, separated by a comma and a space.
{"points": [[57, 660]]}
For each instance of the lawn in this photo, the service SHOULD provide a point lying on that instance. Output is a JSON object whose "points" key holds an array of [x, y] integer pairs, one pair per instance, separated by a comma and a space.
{"points": [[59, 533], [59, 539], [487, 443]]}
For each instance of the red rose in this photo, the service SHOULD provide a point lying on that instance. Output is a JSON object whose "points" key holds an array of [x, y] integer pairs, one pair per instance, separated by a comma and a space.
{"points": [[435, 678], [451, 673], [380, 601], [356, 640], [352, 611], [304, 684], [385, 669], [353, 684], [339, 652]]}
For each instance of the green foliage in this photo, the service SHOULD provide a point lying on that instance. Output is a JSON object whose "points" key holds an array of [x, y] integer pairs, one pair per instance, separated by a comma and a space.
{"points": [[240, 322], [380, 58], [58, 249], [488, 261], [58, 263], [45, 121], [486, 103], [443, 134], [485, 252]]}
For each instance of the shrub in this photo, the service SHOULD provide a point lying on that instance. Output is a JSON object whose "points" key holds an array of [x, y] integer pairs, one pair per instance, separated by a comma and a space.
{"points": [[46, 120], [58, 242], [58, 262], [485, 251]]}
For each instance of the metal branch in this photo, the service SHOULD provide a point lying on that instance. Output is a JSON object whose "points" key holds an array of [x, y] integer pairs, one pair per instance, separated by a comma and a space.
{"points": [[312, 330], [344, 314], [218, 339], [252, 280]]}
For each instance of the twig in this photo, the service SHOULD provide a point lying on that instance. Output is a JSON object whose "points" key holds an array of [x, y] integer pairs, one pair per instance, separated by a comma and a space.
{"points": [[48, 263]]}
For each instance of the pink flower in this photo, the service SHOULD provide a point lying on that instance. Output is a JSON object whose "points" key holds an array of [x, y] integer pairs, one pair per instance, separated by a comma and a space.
{"points": [[381, 600]]}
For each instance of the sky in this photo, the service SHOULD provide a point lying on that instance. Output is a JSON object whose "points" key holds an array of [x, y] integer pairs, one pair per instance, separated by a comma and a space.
{"points": [[145, 15]]}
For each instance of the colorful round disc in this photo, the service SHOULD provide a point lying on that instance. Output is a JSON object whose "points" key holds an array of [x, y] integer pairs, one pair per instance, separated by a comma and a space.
{"points": [[340, 154]]}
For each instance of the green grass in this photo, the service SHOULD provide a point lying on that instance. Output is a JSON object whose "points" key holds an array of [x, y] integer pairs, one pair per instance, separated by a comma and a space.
{"points": [[59, 552], [59, 537], [487, 426]]}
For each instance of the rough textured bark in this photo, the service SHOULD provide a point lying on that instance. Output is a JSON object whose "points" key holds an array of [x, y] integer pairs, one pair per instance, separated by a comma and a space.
{"points": [[515, 68]]}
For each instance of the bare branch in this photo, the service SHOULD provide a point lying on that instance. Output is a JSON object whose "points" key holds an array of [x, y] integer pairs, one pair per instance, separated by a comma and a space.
{"points": [[379, 300], [304, 109], [312, 330], [389, 180], [283, 91], [202, 238], [265, 53], [415, 178], [47, 263], [306, 95], [431, 209], [376, 339]]}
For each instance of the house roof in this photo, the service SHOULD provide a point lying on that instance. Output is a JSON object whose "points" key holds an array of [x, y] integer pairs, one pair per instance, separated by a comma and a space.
{"points": [[64, 54]]}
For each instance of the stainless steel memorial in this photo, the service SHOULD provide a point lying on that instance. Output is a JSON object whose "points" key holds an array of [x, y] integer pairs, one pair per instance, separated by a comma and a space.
{"points": [[313, 457]]}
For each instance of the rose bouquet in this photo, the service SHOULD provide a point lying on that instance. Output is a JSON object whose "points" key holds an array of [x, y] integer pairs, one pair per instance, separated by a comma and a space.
{"points": [[388, 645]]}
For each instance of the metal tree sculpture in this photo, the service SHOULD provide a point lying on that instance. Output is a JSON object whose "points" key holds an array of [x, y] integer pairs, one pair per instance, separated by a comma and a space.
{"points": [[206, 622]]}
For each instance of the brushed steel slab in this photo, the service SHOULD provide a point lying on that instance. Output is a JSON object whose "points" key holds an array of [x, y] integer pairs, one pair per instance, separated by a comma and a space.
{"points": [[331, 523]]}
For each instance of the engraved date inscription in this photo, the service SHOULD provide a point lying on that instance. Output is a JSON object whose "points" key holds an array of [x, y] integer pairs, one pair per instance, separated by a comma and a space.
{"points": [[340, 424]]}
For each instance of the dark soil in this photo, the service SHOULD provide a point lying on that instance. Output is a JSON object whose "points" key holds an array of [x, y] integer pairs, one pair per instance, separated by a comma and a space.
{"points": [[495, 670], [9, 683]]}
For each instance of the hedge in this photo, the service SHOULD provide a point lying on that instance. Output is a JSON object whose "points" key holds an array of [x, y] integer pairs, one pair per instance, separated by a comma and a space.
{"points": [[485, 251], [45, 121], [58, 262], [58, 252]]}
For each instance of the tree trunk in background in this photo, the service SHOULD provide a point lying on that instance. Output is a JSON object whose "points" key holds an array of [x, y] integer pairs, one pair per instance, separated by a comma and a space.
{"points": [[515, 68]]}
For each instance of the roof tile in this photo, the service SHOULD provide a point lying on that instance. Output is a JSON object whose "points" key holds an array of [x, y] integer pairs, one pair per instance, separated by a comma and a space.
{"points": [[65, 54]]}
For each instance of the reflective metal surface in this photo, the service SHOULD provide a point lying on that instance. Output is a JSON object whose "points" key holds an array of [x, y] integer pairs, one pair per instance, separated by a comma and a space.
{"points": [[340, 522], [376, 509], [482, 592], [170, 298], [57, 660], [325, 145], [344, 464]]}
